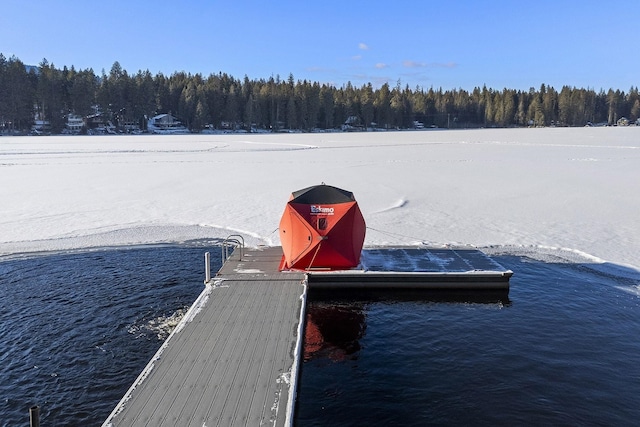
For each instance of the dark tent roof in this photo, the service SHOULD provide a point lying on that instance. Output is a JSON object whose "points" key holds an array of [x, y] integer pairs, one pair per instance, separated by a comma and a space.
{"points": [[323, 193]]}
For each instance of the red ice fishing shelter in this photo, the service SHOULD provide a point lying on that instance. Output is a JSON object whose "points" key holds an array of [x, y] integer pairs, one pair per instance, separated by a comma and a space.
{"points": [[321, 227]]}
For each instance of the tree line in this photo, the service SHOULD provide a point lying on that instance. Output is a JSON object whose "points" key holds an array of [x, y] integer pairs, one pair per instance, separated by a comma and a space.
{"points": [[222, 101]]}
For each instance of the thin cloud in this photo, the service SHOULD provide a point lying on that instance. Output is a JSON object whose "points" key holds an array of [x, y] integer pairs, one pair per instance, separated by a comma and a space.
{"points": [[363, 46], [316, 69], [416, 64], [413, 64], [381, 65], [356, 57]]}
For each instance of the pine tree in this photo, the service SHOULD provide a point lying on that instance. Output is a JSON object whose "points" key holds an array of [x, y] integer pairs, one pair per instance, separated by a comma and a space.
{"points": [[328, 106], [16, 111], [248, 116], [367, 109], [382, 104], [612, 101]]}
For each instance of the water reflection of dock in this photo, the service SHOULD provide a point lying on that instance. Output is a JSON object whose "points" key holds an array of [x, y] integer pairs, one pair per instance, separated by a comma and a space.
{"points": [[234, 359]]}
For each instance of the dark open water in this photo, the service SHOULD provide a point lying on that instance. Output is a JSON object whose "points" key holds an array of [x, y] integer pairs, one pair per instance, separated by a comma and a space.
{"points": [[77, 329], [563, 348]]}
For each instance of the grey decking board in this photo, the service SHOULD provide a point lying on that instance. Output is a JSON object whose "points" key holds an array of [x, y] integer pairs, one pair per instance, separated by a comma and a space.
{"points": [[249, 349], [223, 367]]}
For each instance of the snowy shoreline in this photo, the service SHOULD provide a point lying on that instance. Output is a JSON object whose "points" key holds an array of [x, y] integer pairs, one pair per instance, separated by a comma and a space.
{"points": [[574, 189]]}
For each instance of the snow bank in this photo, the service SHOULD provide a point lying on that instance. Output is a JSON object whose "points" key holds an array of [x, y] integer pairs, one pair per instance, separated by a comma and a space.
{"points": [[574, 189]]}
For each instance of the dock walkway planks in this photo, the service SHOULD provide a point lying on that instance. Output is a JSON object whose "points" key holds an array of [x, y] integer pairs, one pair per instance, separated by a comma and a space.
{"points": [[233, 360]]}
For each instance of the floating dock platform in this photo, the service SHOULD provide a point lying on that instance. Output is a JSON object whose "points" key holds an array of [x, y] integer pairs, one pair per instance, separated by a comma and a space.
{"points": [[418, 268], [233, 360]]}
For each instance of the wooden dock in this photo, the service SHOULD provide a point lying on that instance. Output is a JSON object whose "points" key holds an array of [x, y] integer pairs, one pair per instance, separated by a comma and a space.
{"points": [[233, 360]]}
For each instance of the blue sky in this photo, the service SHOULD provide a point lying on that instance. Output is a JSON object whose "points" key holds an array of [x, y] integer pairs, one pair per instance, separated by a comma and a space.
{"points": [[448, 44]]}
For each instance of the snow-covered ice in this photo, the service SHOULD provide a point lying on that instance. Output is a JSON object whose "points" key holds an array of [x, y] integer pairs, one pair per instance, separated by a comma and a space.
{"points": [[569, 190]]}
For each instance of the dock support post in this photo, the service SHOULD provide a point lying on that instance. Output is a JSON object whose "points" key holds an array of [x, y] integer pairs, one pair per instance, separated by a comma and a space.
{"points": [[34, 416], [207, 267]]}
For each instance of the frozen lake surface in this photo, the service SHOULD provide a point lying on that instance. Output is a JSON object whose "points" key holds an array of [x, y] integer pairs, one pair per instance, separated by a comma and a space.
{"points": [[566, 188]]}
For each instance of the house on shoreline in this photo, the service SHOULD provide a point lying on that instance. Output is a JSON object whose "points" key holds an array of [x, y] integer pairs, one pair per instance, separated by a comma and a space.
{"points": [[74, 124], [166, 124]]}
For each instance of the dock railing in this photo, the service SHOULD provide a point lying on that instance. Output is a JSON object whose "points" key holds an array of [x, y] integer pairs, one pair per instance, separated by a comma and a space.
{"points": [[234, 241]]}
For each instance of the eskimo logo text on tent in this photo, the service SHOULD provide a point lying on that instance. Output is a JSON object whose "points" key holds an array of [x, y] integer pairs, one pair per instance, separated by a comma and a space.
{"points": [[320, 210]]}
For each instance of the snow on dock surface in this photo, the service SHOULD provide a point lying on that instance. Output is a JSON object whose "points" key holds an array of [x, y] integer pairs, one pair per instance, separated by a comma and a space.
{"points": [[569, 190]]}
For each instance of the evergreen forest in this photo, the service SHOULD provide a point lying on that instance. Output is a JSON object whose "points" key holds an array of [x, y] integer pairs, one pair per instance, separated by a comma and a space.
{"points": [[220, 101]]}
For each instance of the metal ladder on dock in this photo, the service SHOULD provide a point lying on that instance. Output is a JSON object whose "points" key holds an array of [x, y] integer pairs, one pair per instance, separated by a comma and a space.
{"points": [[229, 246]]}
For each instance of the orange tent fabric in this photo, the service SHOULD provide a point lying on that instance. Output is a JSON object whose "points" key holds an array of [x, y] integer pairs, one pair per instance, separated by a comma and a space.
{"points": [[322, 228]]}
